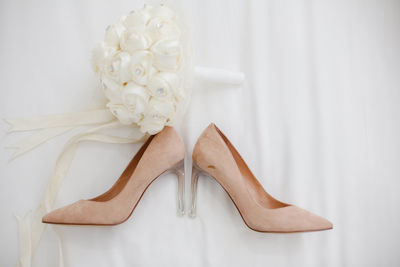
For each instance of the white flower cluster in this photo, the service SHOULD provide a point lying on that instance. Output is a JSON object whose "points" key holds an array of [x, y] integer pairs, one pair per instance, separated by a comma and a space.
{"points": [[140, 67]]}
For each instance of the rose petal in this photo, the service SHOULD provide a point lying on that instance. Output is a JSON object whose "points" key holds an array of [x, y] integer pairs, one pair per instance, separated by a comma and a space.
{"points": [[141, 66], [135, 40], [167, 54], [120, 111], [113, 34]]}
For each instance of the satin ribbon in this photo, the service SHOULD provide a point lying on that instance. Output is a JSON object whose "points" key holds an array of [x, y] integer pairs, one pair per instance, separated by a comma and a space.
{"points": [[50, 126], [30, 226]]}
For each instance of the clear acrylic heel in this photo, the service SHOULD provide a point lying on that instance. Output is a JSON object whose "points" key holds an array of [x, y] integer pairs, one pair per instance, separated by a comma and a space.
{"points": [[196, 172], [179, 170]]}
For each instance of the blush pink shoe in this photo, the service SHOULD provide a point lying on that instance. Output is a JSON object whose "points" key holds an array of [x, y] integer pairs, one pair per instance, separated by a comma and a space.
{"points": [[215, 156], [161, 153]]}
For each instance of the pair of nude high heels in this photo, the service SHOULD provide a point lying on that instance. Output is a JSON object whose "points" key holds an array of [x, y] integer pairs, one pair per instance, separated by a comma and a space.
{"points": [[213, 155]]}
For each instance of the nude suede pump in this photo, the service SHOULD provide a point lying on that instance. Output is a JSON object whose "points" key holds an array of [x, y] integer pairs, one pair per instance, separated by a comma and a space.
{"points": [[160, 153], [215, 156]]}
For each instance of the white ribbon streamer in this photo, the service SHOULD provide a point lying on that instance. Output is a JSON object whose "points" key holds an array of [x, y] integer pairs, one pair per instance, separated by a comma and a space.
{"points": [[60, 120], [24, 229], [31, 228], [36, 139], [53, 125]]}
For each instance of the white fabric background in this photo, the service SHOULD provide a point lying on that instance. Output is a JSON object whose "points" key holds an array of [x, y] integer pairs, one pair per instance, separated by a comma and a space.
{"points": [[318, 122]]}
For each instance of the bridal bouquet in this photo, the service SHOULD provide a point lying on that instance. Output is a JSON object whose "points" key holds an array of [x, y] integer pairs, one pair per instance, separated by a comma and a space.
{"points": [[140, 66]]}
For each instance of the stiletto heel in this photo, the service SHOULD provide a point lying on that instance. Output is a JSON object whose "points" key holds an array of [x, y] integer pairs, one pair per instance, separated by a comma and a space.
{"points": [[196, 172], [179, 170], [214, 155]]}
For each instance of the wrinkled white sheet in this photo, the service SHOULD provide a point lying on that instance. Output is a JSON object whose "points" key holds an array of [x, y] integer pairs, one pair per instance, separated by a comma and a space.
{"points": [[317, 121]]}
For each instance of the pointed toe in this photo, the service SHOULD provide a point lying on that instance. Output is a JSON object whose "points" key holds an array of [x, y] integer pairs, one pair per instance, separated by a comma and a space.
{"points": [[75, 213], [48, 218], [58, 216], [51, 217], [324, 224], [307, 221], [289, 219]]}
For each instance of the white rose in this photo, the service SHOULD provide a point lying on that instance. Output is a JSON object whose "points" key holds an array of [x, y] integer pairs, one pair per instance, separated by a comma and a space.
{"points": [[159, 28], [135, 99], [113, 34], [165, 84], [120, 111], [162, 23], [118, 67], [112, 90], [157, 115], [141, 67], [158, 20], [99, 55], [135, 40], [137, 20], [167, 55]]}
